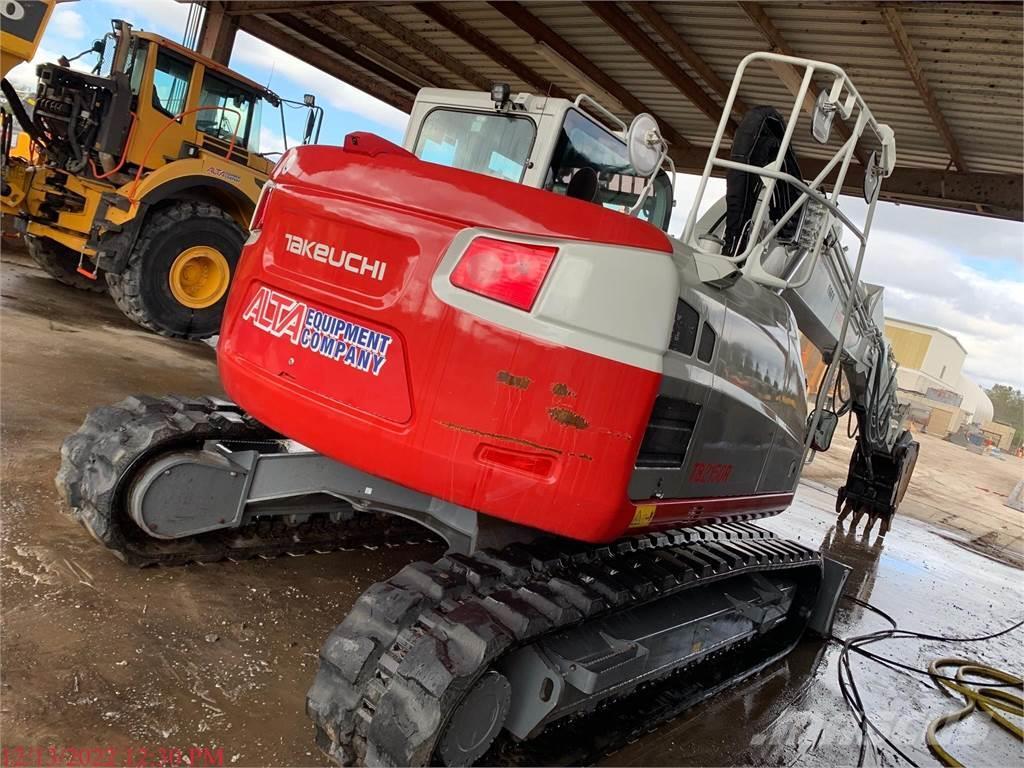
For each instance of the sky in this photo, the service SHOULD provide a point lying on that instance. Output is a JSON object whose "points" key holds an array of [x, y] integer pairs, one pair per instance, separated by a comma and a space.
{"points": [[962, 273]]}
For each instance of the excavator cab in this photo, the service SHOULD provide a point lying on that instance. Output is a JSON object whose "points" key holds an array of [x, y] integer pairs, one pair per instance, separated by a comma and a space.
{"points": [[573, 148]]}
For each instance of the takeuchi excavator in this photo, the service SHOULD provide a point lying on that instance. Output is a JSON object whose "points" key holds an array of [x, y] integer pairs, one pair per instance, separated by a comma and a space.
{"points": [[487, 333]]}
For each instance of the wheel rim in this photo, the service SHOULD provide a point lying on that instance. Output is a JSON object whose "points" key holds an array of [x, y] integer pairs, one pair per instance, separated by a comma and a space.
{"points": [[199, 277]]}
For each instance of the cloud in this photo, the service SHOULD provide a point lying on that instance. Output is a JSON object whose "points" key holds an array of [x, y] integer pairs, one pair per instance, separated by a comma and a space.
{"points": [[67, 22], [23, 76], [165, 17], [928, 261], [271, 141], [329, 90]]}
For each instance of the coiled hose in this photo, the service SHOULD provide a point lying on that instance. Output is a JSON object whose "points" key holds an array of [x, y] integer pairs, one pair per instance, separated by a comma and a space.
{"points": [[989, 700]]}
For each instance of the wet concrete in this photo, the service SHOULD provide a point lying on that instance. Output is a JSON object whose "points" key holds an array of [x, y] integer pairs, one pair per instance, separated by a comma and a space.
{"points": [[95, 654]]}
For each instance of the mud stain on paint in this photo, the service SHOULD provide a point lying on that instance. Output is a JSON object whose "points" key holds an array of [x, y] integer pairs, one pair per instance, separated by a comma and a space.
{"points": [[519, 382], [562, 390], [567, 418], [496, 436]]}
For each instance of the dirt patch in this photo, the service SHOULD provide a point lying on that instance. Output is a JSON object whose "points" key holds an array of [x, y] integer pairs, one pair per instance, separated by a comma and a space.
{"points": [[567, 418], [951, 487], [518, 382]]}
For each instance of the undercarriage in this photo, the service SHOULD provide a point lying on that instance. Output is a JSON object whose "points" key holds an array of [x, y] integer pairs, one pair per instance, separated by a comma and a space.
{"points": [[488, 655]]}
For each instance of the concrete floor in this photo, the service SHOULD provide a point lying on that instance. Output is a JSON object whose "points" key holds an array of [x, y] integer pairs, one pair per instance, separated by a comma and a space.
{"points": [[95, 654]]}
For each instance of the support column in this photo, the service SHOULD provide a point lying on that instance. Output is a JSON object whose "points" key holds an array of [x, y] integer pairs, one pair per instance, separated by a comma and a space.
{"points": [[217, 35]]}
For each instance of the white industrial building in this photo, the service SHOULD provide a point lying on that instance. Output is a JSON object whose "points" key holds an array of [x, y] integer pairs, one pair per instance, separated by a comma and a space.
{"points": [[931, 378]]}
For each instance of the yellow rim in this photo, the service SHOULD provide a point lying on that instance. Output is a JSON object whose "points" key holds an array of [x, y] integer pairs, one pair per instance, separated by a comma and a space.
{"points": [[199, 277]]}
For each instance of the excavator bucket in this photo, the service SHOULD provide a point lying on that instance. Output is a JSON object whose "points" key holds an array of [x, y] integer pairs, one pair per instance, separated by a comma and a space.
{"points": [[877, 483]]}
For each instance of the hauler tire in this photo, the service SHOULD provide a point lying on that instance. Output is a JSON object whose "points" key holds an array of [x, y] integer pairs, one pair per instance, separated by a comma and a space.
{"points": [[61, 263], [177, 277]]}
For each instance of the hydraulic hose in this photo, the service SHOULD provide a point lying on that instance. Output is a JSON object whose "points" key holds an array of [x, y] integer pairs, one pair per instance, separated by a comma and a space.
{"points": [[19, 112], [988, 700]]}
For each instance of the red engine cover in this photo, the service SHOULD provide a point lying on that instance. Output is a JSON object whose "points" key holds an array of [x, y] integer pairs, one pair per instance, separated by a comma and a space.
{"points": [[334, 337]]}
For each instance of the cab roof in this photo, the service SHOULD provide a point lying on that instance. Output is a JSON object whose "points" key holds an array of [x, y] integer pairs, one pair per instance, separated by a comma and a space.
{"points": [[209, 63]]}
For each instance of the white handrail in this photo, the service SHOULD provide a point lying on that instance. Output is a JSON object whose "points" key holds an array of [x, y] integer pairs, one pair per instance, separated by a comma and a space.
{"points": [[772, 173], [799, 269]]}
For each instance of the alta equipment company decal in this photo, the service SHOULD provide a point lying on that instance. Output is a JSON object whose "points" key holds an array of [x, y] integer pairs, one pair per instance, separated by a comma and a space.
{"points": [[328, 335]]}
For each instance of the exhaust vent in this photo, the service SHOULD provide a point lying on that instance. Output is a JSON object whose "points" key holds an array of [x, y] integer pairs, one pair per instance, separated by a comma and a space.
{"points": [[684, 329], [668, 433]]}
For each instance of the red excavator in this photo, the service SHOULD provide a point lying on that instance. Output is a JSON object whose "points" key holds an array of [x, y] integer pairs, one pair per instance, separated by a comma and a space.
{"points": [[488, 334]]}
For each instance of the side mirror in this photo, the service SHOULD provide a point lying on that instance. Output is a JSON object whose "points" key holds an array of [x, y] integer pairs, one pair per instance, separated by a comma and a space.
{"points": [[821, 120], [827, 422], [307, 135], [644, 144], [872, 178]]}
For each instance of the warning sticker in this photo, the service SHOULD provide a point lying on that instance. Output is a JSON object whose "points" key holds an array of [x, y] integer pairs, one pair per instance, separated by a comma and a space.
{"points": [[643, 516]]}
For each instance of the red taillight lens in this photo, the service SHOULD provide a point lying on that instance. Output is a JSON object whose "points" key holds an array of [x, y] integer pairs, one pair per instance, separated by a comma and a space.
{"points": [[511, 273], [261, 205]]}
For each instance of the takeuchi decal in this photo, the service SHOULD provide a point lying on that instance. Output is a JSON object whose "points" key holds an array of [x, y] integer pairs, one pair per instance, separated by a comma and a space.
{"points": [[321, 332]]}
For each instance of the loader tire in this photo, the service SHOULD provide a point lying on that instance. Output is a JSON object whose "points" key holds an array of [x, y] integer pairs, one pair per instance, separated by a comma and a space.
{"points": [[177, 276], [61, 263]]}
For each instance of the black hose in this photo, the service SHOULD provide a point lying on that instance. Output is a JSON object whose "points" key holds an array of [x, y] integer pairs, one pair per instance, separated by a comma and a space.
{"points": [[19, 112]]}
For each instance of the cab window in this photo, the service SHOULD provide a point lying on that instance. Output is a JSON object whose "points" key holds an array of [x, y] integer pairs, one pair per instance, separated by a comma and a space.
{"points": [[591, 163], [170, 83], [492, 143], [234, 112], [137, 63]]}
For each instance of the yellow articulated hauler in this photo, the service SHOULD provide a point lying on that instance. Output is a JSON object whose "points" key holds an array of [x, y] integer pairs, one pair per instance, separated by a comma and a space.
{"points": [[139, 178]]}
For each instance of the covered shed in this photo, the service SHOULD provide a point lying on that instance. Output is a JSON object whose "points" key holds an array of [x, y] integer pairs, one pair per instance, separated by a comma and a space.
{"points": [[945, 75]]}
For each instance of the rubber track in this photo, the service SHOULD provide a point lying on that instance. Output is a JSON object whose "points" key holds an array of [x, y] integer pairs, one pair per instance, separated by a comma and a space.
{"points": [[413, 646], [99, 460]]}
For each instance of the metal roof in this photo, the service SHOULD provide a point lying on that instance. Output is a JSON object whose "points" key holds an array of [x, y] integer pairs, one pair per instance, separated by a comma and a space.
{"points": [[925, 327], [947, 76]]}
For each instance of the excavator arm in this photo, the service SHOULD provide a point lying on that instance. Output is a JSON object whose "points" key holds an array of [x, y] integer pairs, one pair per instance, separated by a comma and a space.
{"points": [[787, 234]]}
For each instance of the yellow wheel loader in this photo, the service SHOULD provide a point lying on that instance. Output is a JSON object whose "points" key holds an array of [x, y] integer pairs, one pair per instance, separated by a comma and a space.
{"points": [[141, 175]]}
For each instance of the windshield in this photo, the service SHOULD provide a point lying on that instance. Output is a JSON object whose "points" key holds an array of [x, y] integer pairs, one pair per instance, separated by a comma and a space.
{"points": [[584, 147], [237, 112], [495, 144]]}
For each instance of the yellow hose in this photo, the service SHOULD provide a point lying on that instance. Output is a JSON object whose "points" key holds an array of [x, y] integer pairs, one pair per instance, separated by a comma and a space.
{"points": [[988, 700]]}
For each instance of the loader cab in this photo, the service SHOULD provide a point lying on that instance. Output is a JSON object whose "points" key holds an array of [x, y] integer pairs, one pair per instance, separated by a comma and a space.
{"points": [[572, 148], [185, 103]]}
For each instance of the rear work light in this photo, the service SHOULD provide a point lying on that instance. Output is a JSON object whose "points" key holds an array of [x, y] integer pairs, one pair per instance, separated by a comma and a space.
{"points": [[511, 273]]}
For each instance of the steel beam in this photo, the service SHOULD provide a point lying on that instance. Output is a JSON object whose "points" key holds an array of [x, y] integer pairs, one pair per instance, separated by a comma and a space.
{"points": [[439, 14], [685, 51], [368, 42], [433, 52], [892, 20], [544, 35], [345, 51], [632, 34], [759, 17], [999, 195], [277, 37], [217, 34], [246, 8]]}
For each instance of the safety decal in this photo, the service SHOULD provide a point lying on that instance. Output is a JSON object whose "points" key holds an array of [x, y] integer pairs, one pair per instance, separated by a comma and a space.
{"points": [[328, 335], [643, 515]]}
